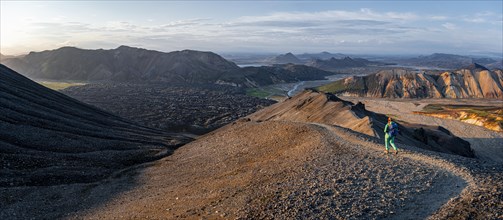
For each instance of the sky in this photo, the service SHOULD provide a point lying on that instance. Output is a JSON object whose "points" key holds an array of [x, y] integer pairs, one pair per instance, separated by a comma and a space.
{"points": [[352, 27]]}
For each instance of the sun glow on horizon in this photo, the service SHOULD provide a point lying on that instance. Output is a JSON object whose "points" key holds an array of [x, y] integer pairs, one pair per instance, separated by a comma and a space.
{"points": [[347, 27]]}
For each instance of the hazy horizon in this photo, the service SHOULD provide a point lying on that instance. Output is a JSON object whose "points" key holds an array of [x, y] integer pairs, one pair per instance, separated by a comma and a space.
{"points": [[350, 27]]}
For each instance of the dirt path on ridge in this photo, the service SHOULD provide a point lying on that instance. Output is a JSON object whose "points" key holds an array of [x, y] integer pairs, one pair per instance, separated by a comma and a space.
{"points": [[440, 191]]}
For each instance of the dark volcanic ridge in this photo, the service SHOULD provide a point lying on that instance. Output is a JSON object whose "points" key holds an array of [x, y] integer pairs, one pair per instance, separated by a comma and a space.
{"points": [[47, 138], [475, 81]]}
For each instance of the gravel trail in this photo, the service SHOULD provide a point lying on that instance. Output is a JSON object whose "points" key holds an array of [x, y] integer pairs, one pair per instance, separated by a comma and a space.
{"points": [[441, 190], [281, 170], [285, 170]]}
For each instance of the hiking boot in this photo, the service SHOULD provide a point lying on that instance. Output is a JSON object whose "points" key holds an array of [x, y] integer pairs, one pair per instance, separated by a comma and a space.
{"points": [[386, 151], [396, 151]]}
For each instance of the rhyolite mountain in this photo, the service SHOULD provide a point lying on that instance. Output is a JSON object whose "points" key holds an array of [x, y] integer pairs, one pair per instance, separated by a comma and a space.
{"points": [[474, 81], [121, 64], [47, 138]]}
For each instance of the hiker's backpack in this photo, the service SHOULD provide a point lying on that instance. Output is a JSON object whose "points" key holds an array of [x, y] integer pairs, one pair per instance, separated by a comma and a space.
{"points": [[393, 129]]}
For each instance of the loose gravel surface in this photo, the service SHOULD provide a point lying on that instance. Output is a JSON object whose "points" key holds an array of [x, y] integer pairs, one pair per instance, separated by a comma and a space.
{"points": [[279, 170], [285, 170]]}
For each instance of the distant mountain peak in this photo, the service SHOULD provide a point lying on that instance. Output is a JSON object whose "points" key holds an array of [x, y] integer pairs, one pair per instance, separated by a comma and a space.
{"points": [[285, 58], [124, 47]]}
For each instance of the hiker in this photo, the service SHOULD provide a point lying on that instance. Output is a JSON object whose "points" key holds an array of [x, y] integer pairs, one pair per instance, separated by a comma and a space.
{"points": [[390, 131]]}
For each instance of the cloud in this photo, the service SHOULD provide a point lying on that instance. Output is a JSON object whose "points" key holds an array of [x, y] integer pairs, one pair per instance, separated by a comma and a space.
{"points": [[484, 17], [333, 15], [449, 26], [363, 29], [438, 18], [475, 20]]}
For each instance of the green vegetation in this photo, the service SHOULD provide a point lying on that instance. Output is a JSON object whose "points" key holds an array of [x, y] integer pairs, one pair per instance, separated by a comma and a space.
{"points": [[257, 92], [491, 116], [342, 85], [431, 108], [479, 110], [334, 87], [479, 113], [59, 85]]}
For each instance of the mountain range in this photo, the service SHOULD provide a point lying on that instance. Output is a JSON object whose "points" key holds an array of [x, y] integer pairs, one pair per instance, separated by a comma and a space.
{"points": [[474, 81], [334, 64], [128, 64], [449, 61], [322, 56], [121, 64]]}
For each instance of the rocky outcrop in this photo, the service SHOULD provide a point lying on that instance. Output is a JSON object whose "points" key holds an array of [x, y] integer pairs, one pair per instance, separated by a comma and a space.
{"points": [[47, 138], [474, 81]]}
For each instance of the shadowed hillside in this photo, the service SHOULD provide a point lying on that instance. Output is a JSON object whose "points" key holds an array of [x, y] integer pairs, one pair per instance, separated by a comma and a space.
{"points": [[47, 138], [474, 81]]}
